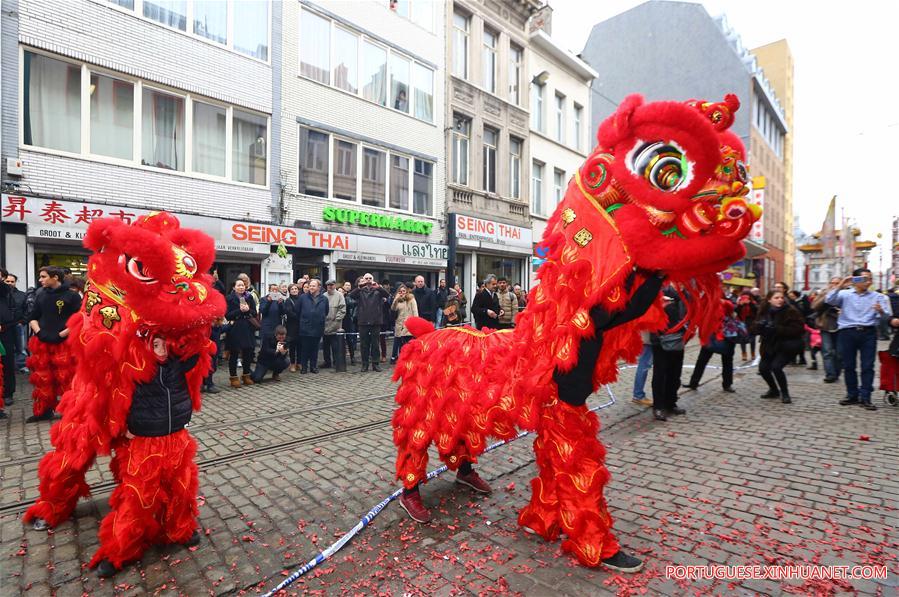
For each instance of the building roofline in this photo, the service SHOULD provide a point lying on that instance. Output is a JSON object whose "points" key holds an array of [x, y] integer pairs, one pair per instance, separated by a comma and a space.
{"points": [[543, 41]]}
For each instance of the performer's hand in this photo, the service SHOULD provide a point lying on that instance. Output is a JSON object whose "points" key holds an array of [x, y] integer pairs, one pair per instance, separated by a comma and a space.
{"points": [[129, 435], [65, 332]]}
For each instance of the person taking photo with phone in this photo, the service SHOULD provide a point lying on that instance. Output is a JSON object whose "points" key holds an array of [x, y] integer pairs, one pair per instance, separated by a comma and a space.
{"points": [[860, 313]]}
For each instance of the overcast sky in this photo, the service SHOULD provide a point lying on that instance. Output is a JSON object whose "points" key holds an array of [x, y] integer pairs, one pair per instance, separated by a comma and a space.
{"points": [[846, 87]]}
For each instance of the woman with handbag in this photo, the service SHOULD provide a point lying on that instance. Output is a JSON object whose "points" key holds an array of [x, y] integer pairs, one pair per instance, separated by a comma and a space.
{"points": [[241, 342], [668, 357], [781, 328], [724, 343]]}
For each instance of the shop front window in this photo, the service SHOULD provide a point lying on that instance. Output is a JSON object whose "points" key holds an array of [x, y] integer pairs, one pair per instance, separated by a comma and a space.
{"points": [[501, 267], [75, 263]]}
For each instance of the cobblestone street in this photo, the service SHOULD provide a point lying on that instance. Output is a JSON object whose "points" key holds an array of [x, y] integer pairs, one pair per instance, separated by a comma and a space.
{"points": [[286, 468]]}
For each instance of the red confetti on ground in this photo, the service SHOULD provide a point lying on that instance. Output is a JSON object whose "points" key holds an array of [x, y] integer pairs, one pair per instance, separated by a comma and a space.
{"points": [[864, 438]]}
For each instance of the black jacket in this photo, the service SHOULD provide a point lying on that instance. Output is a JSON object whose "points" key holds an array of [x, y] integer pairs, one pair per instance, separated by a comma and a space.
{"points": [[676, 310], [483, 301], [291, 311], [52, 309], [9, 312], [349, 320], [427, 303], [576, 385], [162, 406], [272, 313], [370, 304], [442, 295], [269, 355], [781, 330], [242, 333], [18, 298]]}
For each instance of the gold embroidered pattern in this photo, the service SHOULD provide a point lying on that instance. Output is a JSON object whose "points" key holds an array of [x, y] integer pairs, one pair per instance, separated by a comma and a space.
{"points": [[583, 237], [568, 216], [93, 299], [110, 316]]}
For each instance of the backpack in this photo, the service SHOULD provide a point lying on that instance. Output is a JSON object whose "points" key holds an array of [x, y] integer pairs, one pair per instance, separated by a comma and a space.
{"points": [[735, 330]]}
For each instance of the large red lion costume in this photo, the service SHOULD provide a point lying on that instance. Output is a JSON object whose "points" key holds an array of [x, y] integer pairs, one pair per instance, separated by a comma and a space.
{"points": [[661, 195], [145, 280]]}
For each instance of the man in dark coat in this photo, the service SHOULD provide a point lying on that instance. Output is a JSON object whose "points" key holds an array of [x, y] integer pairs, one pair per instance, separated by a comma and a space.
{"points": [[313, 311], [485, 306], [370, 298], [18, 297], [9, 316], [426, 299]]}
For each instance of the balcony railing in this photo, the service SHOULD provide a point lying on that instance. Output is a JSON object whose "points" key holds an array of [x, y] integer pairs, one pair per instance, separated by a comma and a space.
{"points": [[488, 204]]}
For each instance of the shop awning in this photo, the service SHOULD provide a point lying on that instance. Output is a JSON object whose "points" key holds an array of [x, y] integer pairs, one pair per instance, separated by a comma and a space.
{"points": [[753, 249]]}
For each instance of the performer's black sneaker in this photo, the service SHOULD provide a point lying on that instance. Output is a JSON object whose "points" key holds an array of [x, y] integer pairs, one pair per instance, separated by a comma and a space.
{"points": [[105, 569], [193, 540], [47, 416], [623, 562], [676, 410], [40, 524]]}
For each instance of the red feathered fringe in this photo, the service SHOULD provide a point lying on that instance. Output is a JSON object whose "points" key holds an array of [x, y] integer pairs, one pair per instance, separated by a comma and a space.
{"points": [[155, 501], [52, 368]]}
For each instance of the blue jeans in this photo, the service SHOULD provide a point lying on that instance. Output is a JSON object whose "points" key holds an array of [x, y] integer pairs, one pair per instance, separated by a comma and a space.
{"points": [[830, 355], [853, 341], [439, 319], [643, 367], [21, 345]]}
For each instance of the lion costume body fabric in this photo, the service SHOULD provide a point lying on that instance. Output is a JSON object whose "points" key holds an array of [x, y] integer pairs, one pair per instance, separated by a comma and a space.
{"points": [[662, 195], [145, 280]]}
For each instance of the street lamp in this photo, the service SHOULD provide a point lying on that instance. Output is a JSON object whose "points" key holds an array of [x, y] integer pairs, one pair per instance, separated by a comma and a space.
{"points": [[541, 78]]}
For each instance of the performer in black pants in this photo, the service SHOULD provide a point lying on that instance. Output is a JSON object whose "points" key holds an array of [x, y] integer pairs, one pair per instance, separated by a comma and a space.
{"points": [[668, 357]]}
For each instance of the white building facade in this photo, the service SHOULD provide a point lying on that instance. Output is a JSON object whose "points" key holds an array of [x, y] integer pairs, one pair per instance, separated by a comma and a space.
{"points": [[561, 138], [361, 133], [97, 124]]}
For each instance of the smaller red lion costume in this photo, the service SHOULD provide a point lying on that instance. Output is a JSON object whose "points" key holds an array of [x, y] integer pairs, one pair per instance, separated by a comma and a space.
{"points": [[145, 280], [52, 368], [662, 194]]}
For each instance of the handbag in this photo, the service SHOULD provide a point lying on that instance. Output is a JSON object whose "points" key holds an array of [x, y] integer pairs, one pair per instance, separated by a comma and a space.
{"points": [[672, 342], [255, 322]]}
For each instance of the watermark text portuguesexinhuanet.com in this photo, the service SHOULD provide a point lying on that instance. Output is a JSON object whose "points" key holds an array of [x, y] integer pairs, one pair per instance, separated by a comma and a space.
{"points": [[759, 572]]}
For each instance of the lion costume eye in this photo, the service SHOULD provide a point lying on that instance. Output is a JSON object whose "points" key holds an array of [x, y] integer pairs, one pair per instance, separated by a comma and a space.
{"points": [[663, 165], [742, 172], [136, 269]]}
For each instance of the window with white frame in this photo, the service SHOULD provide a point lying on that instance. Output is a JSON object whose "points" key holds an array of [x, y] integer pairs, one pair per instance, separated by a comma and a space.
{"points": [[423, 188], [345, 177], [374, 176], [420, 12], [560, 117], [461, 26], [399, 182], [314, 165], [399, 82], [578, 131], [537, 91], [515, 167], [423, 82], [52, 103], [489, 59], [249, 147], [516, 58], [364, 67], [210, 129], [385, 180], [247, 20], [251, 28], [558, 187], [315, 45], [491, 137], [374, 73], [52, 96], [537, 188], [112, 117], [163, 130], [461, 138], [211, 20], [345, 73], [172, 13]]}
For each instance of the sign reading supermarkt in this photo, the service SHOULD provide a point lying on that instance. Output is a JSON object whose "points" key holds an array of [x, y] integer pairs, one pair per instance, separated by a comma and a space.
{"points": [[374, 220], [475, 232]]}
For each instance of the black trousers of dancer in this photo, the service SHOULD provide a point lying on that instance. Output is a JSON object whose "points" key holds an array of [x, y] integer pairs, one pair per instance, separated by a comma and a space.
{"points": [[771, 368]]}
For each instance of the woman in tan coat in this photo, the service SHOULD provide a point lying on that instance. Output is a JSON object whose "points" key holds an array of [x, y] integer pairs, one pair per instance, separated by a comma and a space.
{"points": [[404, 306]]}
